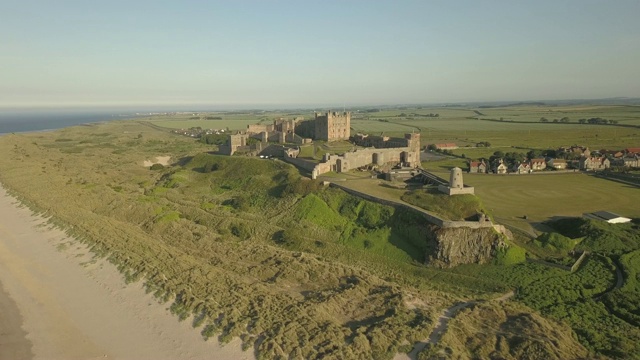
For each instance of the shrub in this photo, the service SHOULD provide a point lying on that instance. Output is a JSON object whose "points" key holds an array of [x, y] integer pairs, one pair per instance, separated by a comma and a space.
{"points": [[241, 230], [157, 167], [556, 241], [510, 255]]}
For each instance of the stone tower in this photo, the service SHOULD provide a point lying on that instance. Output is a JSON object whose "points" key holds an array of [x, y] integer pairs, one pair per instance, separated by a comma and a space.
{"points": [[332, 126], [455, 179], [456, 186]]}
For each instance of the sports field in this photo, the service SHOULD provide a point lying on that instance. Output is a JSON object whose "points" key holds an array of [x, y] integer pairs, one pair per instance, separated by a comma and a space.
{"points": [[543, 196]]}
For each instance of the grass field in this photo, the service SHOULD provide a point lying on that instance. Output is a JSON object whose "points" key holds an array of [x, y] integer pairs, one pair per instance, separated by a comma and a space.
{"points": [[543, 196], [623, 114]]}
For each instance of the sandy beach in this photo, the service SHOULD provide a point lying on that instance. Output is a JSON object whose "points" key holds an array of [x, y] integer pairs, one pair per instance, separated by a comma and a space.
{"points": [[58, 302]]}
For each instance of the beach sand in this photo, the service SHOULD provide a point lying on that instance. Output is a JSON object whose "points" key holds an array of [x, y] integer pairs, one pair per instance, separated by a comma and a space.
{"points": [[58, 302]]}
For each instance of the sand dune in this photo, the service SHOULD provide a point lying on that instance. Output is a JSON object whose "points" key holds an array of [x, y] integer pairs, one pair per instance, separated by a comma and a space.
{"points": [[71, 306], [163, 160]]}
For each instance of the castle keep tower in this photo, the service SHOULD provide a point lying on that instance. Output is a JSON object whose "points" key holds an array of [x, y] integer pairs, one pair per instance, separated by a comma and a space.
{"points": [[332, 126]]}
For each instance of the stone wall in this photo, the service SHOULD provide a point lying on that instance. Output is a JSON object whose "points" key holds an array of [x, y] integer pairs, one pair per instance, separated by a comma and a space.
{"points": [[302, 163]]}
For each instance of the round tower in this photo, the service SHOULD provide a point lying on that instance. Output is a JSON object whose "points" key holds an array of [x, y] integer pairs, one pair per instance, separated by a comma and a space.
{"points": [[455, 180]]}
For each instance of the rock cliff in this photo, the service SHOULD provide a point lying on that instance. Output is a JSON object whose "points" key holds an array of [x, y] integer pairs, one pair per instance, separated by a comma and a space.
{"points": [[449, 247]]}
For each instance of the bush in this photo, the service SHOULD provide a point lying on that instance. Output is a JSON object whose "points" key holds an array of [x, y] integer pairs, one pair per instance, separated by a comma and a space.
{"points": [[157, 167], [241, 230], [555, 241], [511, 255]]}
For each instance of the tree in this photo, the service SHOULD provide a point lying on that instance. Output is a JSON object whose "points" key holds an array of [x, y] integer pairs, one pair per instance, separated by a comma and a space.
{"points": [[534, 154], [544, 119], [550, 153]]}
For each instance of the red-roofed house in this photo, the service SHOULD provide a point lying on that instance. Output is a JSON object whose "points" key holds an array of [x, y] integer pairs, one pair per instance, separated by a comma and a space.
{"points": [[478, 167]]}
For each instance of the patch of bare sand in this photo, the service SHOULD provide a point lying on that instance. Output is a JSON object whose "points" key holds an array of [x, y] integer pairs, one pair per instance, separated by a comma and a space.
{"points": [[163, 160], [76, 307]]}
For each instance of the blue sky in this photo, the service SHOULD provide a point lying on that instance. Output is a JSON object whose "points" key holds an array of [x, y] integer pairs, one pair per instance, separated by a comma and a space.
{"points": [[271, 53]]}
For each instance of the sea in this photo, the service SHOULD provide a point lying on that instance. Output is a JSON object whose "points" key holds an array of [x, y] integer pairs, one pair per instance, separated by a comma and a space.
{"points": [[13, 121]]}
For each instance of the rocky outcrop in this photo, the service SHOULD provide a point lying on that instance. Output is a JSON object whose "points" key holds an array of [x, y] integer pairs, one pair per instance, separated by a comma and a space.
{"points": [[449, 247]]}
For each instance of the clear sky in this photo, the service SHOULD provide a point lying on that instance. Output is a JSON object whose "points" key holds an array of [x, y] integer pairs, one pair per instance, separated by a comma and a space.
{"points": [[238, 53]]}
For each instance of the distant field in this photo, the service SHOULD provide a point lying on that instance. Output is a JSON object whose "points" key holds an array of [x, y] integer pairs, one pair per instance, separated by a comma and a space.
{"points": [[376, 127], [233, 121], [520, 125], [232, 124], [623, 114]]}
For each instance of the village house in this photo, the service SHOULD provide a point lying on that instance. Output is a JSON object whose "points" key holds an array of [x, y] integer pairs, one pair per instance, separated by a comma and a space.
{"points": [[521, 168], [631, 160], [612, 153], [594, 163], [634, 150], [558, 164], [538, 164], [479, 167], [574, 150], [500, 167]]}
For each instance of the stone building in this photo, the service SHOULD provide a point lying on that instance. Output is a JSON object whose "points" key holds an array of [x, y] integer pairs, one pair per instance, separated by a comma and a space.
{"points": [[558, 164], [499, 167], [594, 163], [333, 126], [538, 164], [234, 143], [363, 157], [281, 131], [521, 168], [456, 184], [479, 167]]}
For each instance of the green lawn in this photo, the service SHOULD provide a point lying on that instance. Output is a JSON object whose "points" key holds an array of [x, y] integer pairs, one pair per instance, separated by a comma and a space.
{"points": [[541, 197]]}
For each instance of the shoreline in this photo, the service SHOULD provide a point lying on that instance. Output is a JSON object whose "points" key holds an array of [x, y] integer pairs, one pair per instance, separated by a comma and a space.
{"points": [[13, 339], [69, 304]]}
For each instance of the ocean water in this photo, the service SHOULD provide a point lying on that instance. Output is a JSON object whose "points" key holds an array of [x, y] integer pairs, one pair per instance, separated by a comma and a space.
{"points": [[38, 120]]}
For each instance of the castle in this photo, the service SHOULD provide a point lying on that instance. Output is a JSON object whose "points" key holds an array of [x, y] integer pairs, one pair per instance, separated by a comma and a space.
{"points": [[330, 126], [333, 126]]}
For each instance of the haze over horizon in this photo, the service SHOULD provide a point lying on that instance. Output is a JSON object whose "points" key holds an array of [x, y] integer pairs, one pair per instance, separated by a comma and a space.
{"points": [[253, 53]]}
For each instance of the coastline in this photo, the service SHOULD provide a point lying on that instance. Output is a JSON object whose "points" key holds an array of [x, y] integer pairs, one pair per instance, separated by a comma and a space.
{"points": [[13, 339], [63, 303]]}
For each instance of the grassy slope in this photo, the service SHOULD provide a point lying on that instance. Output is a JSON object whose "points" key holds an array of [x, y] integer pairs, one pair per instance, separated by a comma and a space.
{"points": [[507, 331]]}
